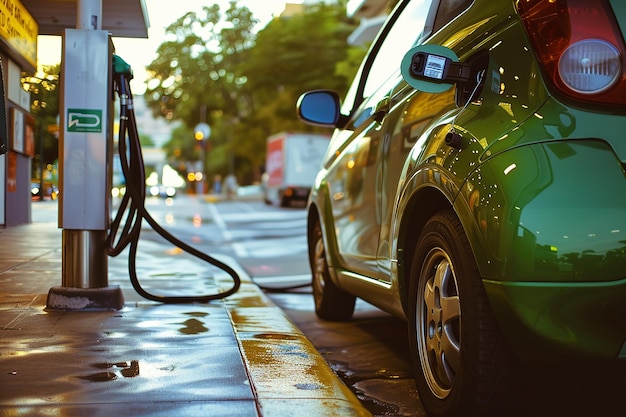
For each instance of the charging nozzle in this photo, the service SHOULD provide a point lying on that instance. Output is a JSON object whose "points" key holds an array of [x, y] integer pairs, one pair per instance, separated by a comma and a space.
{"points": [[121, 67]]}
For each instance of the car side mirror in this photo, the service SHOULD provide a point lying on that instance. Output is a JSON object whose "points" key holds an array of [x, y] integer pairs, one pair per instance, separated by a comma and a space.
{"points": [[319, 108], [433, 68]]}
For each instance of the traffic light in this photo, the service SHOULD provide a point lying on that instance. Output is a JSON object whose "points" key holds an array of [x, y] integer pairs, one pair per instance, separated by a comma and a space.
{"points": [[202, 131]]}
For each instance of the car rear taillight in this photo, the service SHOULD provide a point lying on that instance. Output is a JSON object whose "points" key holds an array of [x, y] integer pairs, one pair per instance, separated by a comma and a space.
{"points": [[579, 46]]}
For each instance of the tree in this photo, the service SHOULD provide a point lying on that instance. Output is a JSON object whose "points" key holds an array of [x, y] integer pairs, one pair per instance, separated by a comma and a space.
{"points": [[146, 140], [300, 52], [248, 83], [296, 54], [292, 55], [44, 98], [197, 65], [198, 68]]}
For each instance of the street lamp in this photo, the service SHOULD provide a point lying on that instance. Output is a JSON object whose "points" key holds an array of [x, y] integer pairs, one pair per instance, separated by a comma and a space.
{"points": [[202, 132]]}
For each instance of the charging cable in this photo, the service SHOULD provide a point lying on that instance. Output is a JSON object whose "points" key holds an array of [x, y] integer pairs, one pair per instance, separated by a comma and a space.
{"points": [[133, 207]]}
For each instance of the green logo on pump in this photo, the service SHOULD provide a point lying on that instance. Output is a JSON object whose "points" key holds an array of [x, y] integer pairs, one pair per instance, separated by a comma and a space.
{"points": [[84, 120]]}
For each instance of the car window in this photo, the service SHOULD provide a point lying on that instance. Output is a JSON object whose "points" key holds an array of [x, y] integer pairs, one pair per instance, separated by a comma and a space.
{"points": [[410, 27], [407, 31], [448, 10]]}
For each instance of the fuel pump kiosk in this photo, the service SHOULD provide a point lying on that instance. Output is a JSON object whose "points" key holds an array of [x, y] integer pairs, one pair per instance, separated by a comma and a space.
{"points": [[90, 75], [85, 151]]}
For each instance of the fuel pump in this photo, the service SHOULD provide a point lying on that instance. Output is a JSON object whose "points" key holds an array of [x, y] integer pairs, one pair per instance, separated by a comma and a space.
{"points": [[91, 75], [84, 161]]}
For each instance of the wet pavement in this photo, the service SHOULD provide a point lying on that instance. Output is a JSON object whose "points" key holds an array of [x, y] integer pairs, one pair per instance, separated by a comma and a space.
{"points": [[240, 356]]}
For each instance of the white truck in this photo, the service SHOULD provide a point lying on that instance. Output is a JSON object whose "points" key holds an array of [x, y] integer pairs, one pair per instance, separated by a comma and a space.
{"points": [[292, 162]]}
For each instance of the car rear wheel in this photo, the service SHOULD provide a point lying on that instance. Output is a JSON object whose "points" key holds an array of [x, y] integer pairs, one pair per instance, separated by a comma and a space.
{"points": [[331, 302], [461, 362]]}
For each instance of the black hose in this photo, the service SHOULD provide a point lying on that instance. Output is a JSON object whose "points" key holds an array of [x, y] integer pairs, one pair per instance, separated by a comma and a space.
{"points": [[133, 205]]}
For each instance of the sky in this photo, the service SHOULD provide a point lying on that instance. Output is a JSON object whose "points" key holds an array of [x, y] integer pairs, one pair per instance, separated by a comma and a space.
{"points": [[141, 52]]}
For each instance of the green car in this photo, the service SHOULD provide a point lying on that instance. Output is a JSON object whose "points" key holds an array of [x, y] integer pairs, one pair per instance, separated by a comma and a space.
{"points": [[475, 186]]}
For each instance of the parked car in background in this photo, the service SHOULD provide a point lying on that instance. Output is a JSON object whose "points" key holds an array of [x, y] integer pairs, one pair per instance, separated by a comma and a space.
{"points": [[50, 191], [161, 190], [475, 185]]}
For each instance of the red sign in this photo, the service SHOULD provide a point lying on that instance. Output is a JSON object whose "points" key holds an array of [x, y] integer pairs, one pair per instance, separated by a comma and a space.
{"points": [[274, 166], [11, 172]]}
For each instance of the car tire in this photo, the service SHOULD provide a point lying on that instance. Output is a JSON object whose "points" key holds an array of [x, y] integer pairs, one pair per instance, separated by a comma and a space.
{"points": [[331, 302], [455, 376]]}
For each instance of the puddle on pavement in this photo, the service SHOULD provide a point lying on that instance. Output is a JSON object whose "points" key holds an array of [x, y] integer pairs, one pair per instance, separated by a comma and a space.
{"points": [[193, 326], [197, 314], [114, 371], [99, 377], [351, 378], [374, 406]]}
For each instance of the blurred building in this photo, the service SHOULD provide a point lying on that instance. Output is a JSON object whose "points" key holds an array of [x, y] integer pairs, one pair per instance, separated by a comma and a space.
{"points": [[158, 129], [366, 8], [372, 14], [292, 9]]}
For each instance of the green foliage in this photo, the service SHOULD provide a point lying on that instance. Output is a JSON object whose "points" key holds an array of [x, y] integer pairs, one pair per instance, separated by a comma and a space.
{"points": [[197, 67], [247, 83], [44, 98], [197, 78], [300, 52], [293, 55], [348, 67], [146, 141], [177, 148]]}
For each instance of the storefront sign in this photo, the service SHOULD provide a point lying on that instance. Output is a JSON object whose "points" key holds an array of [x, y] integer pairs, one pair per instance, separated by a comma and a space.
{"points": [[19, 29]]}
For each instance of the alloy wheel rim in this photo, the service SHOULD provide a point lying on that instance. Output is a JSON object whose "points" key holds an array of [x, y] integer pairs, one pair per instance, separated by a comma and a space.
{"points": [[438, 323], [320, 267]]}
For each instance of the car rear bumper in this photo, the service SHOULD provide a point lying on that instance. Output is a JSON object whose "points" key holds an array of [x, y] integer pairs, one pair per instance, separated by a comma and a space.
{"points": [[550, 240], [562, 320]]}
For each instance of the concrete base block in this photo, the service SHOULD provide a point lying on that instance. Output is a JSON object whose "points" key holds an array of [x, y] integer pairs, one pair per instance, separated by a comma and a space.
{"points": [[85, 299]]}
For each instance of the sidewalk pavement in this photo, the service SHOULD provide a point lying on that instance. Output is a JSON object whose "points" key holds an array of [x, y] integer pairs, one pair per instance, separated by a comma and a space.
{"points": [[240, 356]]}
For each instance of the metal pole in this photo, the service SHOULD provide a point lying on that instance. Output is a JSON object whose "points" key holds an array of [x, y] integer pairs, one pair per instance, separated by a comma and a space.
{"points": [[89, 14], [82, 248], [41, 163]]}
